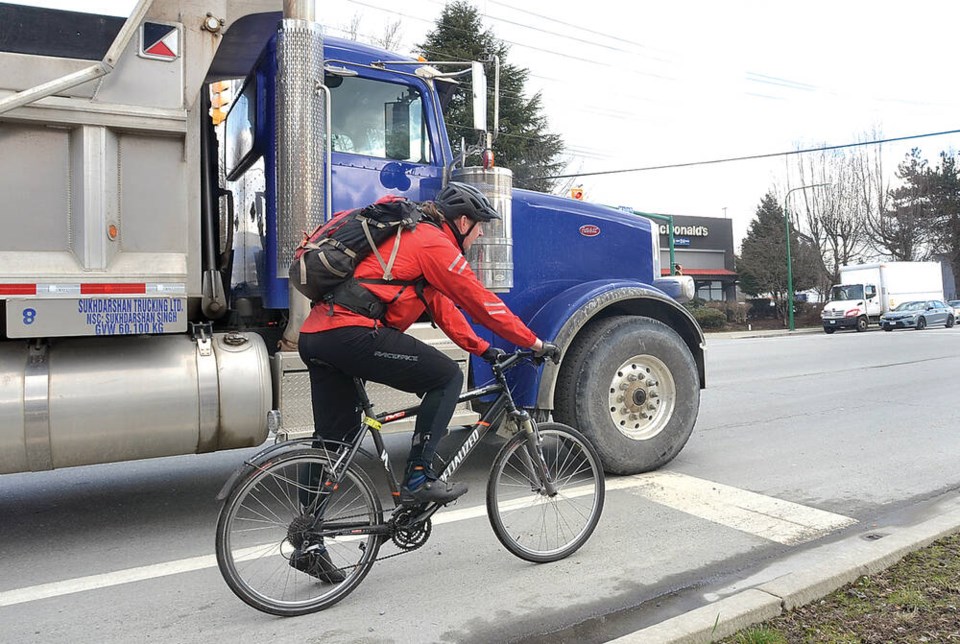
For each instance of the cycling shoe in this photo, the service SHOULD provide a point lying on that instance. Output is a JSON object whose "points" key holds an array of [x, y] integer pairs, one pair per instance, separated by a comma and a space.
{"points": [[441, 492], [317, 564]]}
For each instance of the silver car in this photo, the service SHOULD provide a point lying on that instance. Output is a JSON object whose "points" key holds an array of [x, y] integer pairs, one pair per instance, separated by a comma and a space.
{"points": [[955, 305], [918, 315]]}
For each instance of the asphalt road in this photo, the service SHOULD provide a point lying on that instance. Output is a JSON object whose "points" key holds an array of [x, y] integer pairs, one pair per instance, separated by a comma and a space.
{"points": [[800, 439]]}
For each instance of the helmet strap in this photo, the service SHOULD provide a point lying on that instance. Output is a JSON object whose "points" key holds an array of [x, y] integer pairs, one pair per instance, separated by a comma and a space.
{"points": [[457, 234]]}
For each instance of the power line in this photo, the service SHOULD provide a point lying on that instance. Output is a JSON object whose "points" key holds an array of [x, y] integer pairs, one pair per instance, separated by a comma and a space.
{"points": [[752, 157]]}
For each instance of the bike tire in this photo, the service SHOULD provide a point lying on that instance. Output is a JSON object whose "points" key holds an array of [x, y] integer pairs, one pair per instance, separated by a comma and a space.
{"points": [[532, 525], [256, 534]]}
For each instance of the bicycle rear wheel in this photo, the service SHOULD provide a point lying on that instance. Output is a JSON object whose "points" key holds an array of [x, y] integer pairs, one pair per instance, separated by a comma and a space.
{"points": [[527, 521], [269, 515]]}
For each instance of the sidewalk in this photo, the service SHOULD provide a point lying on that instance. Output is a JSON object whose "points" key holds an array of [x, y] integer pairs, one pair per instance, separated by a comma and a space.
{"points": [[801, 578], [760, 333]]}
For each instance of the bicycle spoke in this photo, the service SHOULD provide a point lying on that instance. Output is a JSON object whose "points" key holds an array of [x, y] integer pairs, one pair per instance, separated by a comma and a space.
{"points": [[532, 524], [269, 549]]}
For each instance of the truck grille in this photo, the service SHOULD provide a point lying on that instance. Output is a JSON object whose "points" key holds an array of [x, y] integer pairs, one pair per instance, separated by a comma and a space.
{"points": [[833, 314]]}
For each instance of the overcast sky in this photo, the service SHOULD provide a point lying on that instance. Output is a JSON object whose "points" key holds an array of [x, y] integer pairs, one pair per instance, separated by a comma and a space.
{"points": [[632, 85]]}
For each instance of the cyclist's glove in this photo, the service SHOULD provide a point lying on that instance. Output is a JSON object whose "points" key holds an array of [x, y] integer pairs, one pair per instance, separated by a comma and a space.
{"points": [[493, 354], [549, 351]]}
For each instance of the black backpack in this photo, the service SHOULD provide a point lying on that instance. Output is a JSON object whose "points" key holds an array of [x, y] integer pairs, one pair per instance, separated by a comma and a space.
{"points": [[324, 262]]}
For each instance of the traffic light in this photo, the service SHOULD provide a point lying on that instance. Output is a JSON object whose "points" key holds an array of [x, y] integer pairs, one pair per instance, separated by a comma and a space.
{"points": [[576, 193], [221, 95]]}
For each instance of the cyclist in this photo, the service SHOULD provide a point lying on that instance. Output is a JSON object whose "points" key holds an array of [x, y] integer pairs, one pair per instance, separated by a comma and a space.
{"points": [[337, 344]]}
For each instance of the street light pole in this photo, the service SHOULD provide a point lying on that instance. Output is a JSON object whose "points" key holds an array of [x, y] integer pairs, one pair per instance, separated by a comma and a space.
{"points": [[786, 225]]}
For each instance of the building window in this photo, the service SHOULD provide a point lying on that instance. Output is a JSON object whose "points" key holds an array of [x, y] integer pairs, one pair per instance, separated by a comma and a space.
{"points": [[710, 291]]}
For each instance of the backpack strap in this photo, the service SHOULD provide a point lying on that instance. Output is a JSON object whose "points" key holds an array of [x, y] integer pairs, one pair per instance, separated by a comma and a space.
{"points": [[417, 284], [388, 265]]}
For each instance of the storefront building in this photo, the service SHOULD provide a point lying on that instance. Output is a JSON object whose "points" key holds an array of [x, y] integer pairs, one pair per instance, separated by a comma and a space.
{"points": [[703, 249]]}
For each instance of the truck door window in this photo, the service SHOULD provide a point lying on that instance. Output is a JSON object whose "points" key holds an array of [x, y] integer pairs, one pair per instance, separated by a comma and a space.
{"points": [[871, 292], [378, 119]]}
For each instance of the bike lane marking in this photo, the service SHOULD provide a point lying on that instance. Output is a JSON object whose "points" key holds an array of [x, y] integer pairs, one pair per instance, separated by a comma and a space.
{"points": [[763, 516]]}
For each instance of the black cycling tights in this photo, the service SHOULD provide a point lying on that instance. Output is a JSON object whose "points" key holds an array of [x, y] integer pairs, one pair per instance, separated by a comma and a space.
{"points": [[384, 355]]}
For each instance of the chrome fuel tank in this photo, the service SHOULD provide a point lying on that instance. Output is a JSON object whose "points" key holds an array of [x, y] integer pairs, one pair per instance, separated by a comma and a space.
{"points": [[80, 401], [491, 256]]}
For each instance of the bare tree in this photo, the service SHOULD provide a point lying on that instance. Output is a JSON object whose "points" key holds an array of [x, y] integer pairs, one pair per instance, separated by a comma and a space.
{"points": [[352, 30], [391, 38], [834, 217]]}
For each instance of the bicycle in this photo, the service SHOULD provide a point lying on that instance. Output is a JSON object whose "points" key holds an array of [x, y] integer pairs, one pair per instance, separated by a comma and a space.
{"points": [[544, 499]]}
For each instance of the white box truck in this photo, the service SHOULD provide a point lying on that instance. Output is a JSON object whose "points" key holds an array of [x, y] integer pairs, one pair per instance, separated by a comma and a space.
{"points": [[867, 291]]}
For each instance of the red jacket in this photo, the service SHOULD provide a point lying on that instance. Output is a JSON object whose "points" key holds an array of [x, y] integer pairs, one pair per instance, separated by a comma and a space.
{"points": [[430, 252]]}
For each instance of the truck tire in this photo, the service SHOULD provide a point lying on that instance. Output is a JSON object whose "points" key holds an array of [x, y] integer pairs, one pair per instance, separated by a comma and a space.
{"points": [[862, 323], [600, 391]]}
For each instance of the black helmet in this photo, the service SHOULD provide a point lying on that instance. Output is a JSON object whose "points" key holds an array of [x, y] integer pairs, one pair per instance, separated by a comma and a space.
{"points": [[463, 199]]}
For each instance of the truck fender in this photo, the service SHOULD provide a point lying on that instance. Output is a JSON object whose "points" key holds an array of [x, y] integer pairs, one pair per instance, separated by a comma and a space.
{"points": [[564, 316], [264, 455]]}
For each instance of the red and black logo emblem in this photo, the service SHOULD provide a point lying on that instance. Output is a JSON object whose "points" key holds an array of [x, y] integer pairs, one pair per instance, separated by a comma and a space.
{"points": [[159, 41]]}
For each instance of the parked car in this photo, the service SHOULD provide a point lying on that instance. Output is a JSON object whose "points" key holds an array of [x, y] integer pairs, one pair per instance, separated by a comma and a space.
{"points": [[918, 314], [955, 305]]}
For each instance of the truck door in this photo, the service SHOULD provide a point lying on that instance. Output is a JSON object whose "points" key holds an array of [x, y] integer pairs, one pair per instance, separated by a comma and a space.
{"points": [[381, 140], [871, 295]]}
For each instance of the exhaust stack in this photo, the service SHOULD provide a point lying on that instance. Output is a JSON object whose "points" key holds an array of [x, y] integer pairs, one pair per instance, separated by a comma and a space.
{"points": [[301, 136]]}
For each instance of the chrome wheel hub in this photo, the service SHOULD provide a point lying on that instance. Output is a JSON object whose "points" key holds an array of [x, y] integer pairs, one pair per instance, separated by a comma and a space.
{"points": [[642, 397]]}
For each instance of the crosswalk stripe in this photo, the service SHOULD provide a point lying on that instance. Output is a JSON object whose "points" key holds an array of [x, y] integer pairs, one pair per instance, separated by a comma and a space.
{"points": [[764, 516]]}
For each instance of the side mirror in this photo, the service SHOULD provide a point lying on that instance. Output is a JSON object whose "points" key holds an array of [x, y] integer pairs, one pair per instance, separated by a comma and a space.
{"points": [[479, 83], [396, 118]]}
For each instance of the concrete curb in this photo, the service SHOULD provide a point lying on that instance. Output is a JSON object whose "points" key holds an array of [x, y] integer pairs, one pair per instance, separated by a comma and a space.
{"points": [[760, 333], [812, 574]]}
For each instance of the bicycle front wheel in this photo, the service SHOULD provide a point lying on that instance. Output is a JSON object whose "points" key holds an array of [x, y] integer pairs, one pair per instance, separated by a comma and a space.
{"points": [[270, 545], [531, 523]]}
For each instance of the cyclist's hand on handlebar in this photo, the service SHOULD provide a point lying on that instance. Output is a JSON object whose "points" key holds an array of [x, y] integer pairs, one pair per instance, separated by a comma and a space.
{"points": [[493, 354], [549, 351]]}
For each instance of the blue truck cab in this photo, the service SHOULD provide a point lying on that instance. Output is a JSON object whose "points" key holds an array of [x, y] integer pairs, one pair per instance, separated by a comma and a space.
{"points": [[583, 275]]}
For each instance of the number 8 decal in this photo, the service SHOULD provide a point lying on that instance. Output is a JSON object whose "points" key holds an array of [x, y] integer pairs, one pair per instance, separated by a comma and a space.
{"points": [[29, 316]]}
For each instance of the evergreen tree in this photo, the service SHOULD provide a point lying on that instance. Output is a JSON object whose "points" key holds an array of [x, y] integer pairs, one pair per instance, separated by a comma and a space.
{"points": [[944, 216], [523, 142], [901, 230], [762, 264]]}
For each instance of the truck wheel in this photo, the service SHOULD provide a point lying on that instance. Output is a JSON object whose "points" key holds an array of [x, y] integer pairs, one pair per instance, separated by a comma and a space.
{"points": [[862, 323], [828, 330], [921, 324], [630, 384]]}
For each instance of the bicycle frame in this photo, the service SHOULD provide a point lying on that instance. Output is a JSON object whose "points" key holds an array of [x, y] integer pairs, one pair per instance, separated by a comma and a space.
{"points": [[502, 405]]}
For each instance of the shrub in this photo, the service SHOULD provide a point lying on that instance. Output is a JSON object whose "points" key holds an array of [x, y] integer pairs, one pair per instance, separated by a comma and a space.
{"points": [[735, 312], [709, 318]]}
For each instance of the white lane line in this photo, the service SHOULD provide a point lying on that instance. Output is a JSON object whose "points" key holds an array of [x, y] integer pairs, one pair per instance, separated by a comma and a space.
{"points": [[105, 580], [763, 516], [774, 519], [154, 571]]}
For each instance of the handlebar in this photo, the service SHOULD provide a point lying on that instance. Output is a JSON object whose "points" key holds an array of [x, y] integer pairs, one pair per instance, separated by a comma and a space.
{"points": [[510, 360]]}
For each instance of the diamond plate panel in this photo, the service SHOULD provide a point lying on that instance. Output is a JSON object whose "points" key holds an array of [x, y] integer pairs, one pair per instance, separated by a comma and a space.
{"points": [[296, 408]]}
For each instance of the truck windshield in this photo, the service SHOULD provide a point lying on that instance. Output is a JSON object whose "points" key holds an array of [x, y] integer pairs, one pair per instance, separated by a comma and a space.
{"points": [[848, 292]]}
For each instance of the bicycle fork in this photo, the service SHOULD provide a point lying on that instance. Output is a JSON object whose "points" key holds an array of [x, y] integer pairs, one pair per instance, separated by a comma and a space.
{"points": [[532, 456]]}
